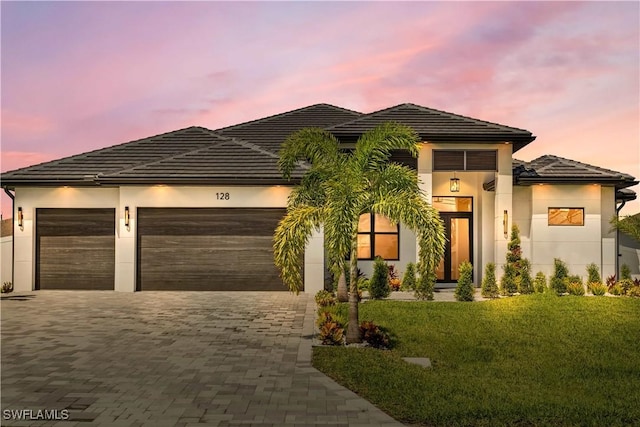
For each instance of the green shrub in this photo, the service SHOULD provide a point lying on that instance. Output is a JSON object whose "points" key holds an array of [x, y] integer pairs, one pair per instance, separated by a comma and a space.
{"points": [[616, 289], [593, 273], [7, 287], [464, 290], [375, 335], [597, 288], [560, 273], [625, 272], [331, 333], [379, 283], [409, 278], [425, 285], [525, 284], [626, 285], [540, 283], [634, 291], [489, 284], [325, 298], [575, 288], [509, 282]]}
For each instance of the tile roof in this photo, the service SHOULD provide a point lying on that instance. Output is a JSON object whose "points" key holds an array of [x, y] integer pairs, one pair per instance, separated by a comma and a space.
{"points": [[270, 132], [192, 154], [554, 169], [435, 126]]}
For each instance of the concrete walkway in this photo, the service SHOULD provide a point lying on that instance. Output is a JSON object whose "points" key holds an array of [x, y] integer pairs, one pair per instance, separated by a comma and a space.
{"points": [[169, 359]]}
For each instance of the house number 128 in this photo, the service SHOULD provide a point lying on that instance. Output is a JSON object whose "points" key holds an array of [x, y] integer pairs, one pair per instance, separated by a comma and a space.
{"points": [[222, 196]]}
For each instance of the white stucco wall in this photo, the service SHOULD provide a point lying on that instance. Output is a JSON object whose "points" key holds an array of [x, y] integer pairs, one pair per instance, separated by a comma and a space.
{"points": [[144, 196], [484, 202], [6, 258], [578, 246]]}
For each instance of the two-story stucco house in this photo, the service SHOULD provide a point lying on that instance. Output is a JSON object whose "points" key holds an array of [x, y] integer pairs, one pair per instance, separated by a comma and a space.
{"points": [[195, 209]]}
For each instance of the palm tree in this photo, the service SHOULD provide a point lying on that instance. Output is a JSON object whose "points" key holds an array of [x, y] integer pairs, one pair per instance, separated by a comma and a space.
{"points": [[340, 186]]}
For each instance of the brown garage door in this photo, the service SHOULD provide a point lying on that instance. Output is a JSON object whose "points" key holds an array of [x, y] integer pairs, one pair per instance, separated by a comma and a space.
{"points": [[75, 249], [207, 249]]}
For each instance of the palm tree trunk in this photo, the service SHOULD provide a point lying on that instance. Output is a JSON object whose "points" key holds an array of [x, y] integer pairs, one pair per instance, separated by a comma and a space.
{"points": [[353, 330], [343, 295]]}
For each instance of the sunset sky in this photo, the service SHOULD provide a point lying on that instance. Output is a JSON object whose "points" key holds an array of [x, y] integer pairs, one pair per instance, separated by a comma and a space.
{"points": [[77, 76]]}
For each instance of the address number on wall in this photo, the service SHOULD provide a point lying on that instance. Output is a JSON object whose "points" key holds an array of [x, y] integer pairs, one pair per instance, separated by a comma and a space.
{"points": [[222, 196]]}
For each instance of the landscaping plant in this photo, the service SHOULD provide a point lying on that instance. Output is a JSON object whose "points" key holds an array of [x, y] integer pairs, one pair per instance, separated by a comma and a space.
{"points": [[379, 283], [331, 332], [593, 273], [511, 277], [425, 287], [525, 285], [7, 287], [540, 282], [409, 278], [394, 280], [325, 298], [374, 335], [558, 281], [489, 284], [464, 290], [337, 187], [597, 288]]}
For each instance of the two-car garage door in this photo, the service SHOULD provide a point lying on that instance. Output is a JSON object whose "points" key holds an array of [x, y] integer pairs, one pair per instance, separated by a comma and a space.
{"points": [[177, 249], [200, 249]]}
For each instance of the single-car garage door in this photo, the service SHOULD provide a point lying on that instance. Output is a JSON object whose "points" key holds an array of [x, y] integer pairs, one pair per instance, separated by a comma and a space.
{"points": [[75, 249], [207, 249]]}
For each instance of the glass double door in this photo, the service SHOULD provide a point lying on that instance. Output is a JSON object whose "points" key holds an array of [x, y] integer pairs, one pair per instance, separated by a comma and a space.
{"points": [[459, 247]]}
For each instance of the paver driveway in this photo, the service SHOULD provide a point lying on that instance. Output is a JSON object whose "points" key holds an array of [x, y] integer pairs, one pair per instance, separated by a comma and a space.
{"points": [[169, 358]]}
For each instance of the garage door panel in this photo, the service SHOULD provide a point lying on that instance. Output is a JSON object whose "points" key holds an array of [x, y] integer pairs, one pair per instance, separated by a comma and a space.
{"points": [[240, 257], [75, 257]]}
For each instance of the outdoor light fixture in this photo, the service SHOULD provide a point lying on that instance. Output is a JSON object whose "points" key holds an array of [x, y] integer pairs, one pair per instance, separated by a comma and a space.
{"points": [[454, 184], [20, 218], [126, 217], [505, 223]]}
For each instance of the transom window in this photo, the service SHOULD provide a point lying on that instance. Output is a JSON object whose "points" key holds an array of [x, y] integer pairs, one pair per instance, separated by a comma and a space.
{"points": [[377, 236], [566, 216]]}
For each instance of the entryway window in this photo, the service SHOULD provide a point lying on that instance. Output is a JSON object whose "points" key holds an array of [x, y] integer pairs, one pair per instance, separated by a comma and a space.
{"points": [[377, 236]]}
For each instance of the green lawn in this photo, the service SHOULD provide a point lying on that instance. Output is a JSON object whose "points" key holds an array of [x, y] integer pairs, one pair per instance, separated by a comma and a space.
{"points": [[523, 361]]}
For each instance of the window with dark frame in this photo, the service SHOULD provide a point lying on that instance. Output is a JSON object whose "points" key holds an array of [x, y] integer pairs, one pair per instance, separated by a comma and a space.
{"points": [[566, 216], [377, 236]]}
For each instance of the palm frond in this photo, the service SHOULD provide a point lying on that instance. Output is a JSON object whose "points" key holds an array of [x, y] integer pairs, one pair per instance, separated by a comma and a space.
{"points": [[374, 146], [290, 240], [314, 145]]}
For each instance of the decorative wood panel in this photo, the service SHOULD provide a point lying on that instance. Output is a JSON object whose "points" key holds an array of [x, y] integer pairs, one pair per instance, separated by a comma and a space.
{"points": [[207, 249], [75, 249], [448, 160], [482, 160]]}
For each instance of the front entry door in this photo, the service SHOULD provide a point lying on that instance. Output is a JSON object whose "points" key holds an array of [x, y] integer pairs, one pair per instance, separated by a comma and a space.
{"points": [[457, 215], [458, 229]]}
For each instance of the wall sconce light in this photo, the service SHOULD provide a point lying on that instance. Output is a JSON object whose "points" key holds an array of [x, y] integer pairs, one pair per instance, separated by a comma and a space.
{"points": [[505, 223], [20, 218], [454, 184], [126, 217]]}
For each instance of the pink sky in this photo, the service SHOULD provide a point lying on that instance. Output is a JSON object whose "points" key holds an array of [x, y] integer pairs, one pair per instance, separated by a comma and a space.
{"points": [[77, 76]]}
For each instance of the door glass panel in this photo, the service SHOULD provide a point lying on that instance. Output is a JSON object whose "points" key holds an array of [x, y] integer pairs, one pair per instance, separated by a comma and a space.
{"points": [[460, 245], [440, 270], [387, 246]]}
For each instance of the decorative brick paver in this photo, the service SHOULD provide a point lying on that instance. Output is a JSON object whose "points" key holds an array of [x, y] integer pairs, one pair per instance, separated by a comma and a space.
{"points": [[170, 359]]}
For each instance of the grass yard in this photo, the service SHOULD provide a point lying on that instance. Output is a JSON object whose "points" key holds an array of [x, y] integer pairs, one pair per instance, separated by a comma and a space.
{"points": [[536, 360]]}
